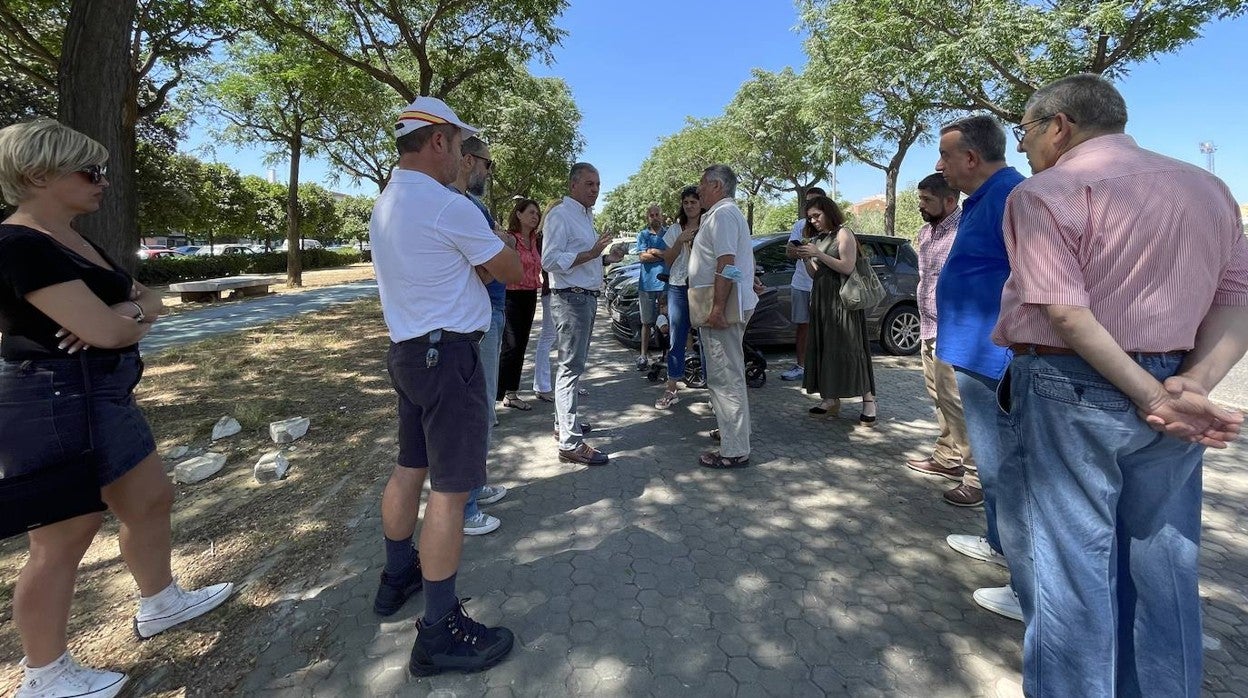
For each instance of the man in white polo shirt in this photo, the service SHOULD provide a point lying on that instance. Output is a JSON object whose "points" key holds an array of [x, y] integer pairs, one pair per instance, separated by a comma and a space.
{"points": [[572, 255], [433, 253]]}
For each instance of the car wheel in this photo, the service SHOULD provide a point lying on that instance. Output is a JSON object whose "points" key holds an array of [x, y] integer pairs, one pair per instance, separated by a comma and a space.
{"points": [[899, 333], [693, 372]]}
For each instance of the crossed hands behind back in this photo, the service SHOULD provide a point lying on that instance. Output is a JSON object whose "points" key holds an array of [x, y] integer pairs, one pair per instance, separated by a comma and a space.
{"points": [[1184, 411]]}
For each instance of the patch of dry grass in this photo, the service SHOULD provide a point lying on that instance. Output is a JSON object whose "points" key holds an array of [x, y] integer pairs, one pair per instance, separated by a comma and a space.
{"points": [[230, 526]]}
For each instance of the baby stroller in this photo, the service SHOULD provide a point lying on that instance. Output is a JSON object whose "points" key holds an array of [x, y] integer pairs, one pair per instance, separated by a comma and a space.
{"points": [[755, 365]]}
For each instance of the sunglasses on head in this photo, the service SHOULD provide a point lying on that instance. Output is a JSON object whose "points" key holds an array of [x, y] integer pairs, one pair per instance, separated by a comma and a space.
{"points": [[95, 173]]}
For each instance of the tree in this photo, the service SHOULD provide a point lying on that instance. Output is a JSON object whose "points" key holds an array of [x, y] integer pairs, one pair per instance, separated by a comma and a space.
{"points": [[276, 95], [355, 212], [875, 98], [990, 55], [779, 146], [152, 40]]}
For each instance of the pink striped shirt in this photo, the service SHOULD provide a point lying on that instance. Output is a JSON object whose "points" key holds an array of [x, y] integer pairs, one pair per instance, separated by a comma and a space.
{"points": [[935, 241], [1146, 242]]}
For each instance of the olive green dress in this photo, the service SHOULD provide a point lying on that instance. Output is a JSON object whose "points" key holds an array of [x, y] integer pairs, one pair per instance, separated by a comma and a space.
{"points": [[838, 353]]}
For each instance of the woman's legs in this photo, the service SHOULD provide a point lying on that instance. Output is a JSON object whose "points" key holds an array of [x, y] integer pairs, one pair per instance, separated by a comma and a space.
{"points": [[45, 588], [545, 343], [678, 317], [518, 313], [142, 499]]}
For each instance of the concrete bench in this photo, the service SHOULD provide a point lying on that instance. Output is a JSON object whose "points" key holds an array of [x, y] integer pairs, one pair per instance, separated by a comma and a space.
{"points": [[209, 290]]}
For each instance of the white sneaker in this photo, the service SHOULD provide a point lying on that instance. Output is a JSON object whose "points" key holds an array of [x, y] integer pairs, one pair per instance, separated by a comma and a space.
{"points": [[793, 374], [1000, 600], [491, 493], [65, 678], [175, 605], [976, 547], [481, 524]]}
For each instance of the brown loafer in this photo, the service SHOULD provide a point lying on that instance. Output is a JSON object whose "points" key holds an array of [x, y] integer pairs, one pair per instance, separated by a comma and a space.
{"points": [[965, 496], [929, 466], [584, 455]]}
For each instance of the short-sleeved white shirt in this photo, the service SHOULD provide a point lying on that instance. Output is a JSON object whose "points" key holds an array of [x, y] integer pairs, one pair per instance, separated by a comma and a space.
{"points": [[801, 277], [426, 239], [678, 275], [723, 231]]}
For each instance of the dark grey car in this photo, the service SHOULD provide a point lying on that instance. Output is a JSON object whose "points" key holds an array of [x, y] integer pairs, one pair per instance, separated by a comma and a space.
{"points": [[894, 322]]}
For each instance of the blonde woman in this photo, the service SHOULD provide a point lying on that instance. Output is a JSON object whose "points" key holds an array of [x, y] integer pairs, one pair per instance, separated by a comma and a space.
{"points": [[60, 295]]}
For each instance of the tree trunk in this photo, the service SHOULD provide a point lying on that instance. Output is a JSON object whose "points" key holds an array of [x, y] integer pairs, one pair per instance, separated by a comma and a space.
{"points": [[890, 200], [97, 95], [294, 248], [749, 214]]}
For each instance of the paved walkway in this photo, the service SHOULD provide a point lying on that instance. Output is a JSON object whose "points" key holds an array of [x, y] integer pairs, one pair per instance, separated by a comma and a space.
{"points": [[233, 316], [822, 570]]}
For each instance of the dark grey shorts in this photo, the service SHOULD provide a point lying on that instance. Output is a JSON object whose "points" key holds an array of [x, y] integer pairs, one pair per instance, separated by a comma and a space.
{"points": [[443, 413], [43, 418]]}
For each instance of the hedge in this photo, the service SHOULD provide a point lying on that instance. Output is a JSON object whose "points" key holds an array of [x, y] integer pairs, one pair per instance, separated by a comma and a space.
{"points": [[170, 270]]}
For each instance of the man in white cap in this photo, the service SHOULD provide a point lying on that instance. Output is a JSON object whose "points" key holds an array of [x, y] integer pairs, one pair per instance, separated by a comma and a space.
{"points": [[433, 254]]}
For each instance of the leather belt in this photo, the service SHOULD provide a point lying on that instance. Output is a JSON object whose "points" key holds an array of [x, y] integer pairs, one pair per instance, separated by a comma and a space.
{"points": [[577, 289], [442, 336], [1044, 350]]}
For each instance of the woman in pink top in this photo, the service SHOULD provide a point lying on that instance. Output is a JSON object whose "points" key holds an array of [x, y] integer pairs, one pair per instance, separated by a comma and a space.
{"points": [[521, 301]]}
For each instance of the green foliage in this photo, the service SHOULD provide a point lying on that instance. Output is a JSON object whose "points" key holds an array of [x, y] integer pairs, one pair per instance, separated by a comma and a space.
{"points": [[169, 270]]}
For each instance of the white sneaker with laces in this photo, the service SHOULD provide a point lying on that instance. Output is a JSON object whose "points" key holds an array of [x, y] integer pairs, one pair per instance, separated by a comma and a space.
{"points": [[175, 605], [65, 678], [976, 547], [481, 524], [793, 374], [491, 493], [1000, 600]]}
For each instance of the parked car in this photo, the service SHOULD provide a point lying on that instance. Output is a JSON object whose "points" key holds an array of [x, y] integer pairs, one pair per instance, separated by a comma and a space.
{"points": [[233, 248], [186, 249], [894, 322], [151, 251], [306, 244]]}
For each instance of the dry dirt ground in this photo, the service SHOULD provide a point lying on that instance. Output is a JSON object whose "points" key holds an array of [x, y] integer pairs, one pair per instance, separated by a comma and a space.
{"points": [[311, 279], [230, 525]]}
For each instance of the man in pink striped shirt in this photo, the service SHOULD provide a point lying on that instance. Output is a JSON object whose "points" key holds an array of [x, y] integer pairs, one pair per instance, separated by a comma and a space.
{"points": [[1126, 304]]}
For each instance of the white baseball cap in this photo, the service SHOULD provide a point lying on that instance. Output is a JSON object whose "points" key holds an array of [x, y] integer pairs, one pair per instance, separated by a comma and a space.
{"points": [[427, 111]]}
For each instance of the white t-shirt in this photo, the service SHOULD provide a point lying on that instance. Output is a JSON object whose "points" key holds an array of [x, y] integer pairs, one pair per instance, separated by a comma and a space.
{"points": [[801, 277], [426, 240], [723, 231], [678, 275]]}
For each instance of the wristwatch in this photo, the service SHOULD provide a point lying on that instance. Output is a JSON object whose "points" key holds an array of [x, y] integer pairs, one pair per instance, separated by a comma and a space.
{"points": [[141, 316]]}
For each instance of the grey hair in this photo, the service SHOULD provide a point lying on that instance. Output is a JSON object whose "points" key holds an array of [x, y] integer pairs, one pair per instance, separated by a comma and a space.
{"points": [[980, 133], [578, 169], [725, 176], [473, 145], [1086, 99]]}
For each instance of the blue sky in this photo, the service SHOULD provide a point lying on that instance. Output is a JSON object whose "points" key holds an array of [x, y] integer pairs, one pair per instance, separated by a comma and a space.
{"points": [[637, 73]]}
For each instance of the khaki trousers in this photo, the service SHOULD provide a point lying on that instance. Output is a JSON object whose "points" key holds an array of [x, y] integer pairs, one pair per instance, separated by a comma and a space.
{"points": [[725, 378], [952, 447]]}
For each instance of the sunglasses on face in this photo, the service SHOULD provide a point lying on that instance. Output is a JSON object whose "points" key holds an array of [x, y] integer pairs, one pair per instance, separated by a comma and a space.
{"points": [[95, 173], [489, 164]]}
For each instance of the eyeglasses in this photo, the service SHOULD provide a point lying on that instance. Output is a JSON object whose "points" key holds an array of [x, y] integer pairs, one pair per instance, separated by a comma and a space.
{"points": [[489, 164], [95, 173], [1020, 132]]}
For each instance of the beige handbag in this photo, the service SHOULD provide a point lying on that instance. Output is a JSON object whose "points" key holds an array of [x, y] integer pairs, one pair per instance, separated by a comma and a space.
{"points": [[701, 298]]}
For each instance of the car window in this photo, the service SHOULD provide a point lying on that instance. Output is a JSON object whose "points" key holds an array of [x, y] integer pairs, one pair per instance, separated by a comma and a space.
{"points": [[769, 258], [882, 253]]}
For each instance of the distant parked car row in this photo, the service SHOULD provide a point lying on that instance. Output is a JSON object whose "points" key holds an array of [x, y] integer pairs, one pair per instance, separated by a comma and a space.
{"points": [[154, 252]]}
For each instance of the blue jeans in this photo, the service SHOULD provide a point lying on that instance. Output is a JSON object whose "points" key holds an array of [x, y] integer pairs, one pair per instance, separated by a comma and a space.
{"points": [[678, 317], [1102, 536], [491, 346], [990, 431]]}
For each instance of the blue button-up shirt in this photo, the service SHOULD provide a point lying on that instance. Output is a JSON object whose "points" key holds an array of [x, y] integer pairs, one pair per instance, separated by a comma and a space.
{"points": [[968, 294], [649, 271]]}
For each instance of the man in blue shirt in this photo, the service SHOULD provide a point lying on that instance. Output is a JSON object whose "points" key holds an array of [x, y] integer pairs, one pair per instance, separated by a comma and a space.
{"points": [[650, 246], [968, 301]]}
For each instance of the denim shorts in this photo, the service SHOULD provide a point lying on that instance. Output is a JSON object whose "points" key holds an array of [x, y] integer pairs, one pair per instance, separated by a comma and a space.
{"points": [[43, 414], [800, 306], [648, 304], [443, 411]]}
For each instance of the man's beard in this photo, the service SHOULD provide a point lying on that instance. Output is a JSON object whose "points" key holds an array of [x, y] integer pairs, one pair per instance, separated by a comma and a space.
{"points": [[656, 226], [930, 218], [476, 188]]}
